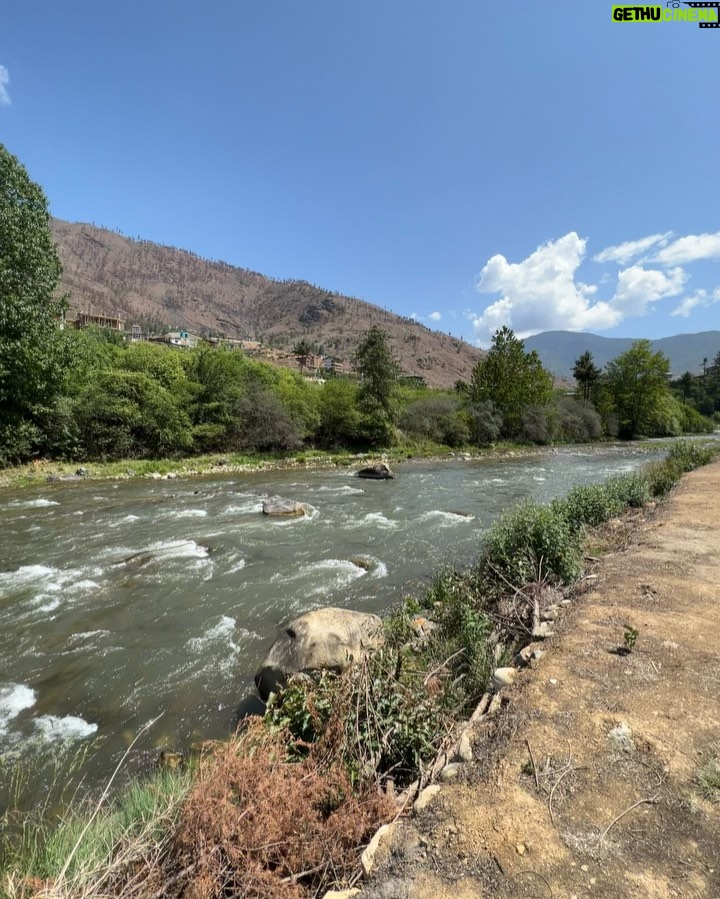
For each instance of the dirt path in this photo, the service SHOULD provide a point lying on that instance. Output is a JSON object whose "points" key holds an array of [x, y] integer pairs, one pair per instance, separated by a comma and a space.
{"points": [[542, 826]]}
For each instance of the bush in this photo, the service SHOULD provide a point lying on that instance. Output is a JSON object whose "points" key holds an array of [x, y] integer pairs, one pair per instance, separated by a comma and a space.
{"points": [[436, 418], [588, 506], [538, 424], [485, 423], [577, 423], [529, 544]]}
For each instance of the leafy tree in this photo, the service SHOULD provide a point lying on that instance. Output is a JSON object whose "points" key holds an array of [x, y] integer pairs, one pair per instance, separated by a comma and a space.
{"points": [[378, 372], [302, 350], [511, 379], [637, 381], [339, 423], [33, 351], [586, 373]]}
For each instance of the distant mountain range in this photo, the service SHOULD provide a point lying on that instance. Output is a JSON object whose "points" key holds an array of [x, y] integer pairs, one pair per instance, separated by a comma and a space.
{"points": [[162, 287], [559, 349]]}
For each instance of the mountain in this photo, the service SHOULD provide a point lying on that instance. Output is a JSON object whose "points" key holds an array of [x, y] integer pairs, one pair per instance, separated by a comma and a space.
{"points": [[166, 288], [559, 349]]}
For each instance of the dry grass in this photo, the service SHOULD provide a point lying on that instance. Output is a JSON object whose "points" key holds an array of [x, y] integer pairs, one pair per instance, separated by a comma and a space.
{"points": [[258, 826]]}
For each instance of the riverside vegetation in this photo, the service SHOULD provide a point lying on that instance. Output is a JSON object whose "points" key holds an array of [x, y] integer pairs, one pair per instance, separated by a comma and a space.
{"points": [[284, 807], [90, 396]]}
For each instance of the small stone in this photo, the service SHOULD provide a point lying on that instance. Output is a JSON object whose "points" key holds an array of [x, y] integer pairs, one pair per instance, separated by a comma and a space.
{"points": [[621, 738], [503, 677], [542, 631], [425, 798], [341, 894], [549, 614], [593, 881], [171, 476], [521, 849], [553, 681], [584, 868], [82, 472], [464, 752], [565, 602], [450, 772], [367, 859]]}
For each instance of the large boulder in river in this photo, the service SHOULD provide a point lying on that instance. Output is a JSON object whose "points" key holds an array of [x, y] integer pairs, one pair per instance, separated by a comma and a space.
{"points": [[283, 507], [379, 472], [324, 639]]}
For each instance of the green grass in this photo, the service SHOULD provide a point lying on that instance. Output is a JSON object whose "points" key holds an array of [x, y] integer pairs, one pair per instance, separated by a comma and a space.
{"points": [[708, 777]]}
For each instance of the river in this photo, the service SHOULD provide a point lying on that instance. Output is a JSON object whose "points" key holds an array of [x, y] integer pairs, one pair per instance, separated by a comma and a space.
{"points": [[122, 601]]}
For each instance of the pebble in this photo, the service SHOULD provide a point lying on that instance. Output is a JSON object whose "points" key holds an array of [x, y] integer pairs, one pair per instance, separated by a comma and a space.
{"points": [[450, 772], [367, 859], [621, 737], [521, 849], [549, 614], [542, 631], [425, 798], [503, 677], [464, 751]]}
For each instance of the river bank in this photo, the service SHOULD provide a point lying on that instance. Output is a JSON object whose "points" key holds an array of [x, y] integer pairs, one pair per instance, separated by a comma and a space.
{"points": [[601, 775], [42, 471]]}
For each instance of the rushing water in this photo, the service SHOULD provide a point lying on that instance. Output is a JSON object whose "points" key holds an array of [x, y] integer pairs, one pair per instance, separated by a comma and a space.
{"points": [[121, 601]]}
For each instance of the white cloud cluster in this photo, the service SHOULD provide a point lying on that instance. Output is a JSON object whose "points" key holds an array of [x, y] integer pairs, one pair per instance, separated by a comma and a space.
{"points": [[701, 298], [435, 316], [543, 292], [4, 81]]}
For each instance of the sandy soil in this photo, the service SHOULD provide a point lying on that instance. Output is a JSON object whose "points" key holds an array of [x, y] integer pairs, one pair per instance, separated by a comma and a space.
{"points": [[552, 805]]}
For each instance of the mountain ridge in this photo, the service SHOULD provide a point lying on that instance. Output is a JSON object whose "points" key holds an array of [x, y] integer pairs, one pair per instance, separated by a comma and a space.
{"points": [[558, 350], [111, 274]]}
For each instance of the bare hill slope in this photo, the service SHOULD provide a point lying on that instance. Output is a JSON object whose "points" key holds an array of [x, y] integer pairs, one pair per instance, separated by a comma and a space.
{"points": [[143, 281]]}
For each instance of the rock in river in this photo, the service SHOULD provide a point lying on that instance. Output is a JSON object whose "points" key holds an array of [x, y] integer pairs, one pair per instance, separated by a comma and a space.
{"points": [[324, 639], [284, 507], [380, 472]]}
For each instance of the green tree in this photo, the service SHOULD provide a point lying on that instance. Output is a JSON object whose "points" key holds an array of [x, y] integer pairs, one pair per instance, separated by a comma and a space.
{"points": [[33, 352], [510, 379], [378, 372], [638, 384], [686, 385], [586, 373], [302, 350]]}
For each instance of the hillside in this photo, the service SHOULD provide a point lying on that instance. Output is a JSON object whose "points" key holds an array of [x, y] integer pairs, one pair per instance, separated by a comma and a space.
{"points": [[145, 282], [559, 349]]}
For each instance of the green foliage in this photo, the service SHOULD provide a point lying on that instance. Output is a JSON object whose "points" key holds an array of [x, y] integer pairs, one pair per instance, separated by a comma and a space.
{"points": [[33, 353], [338, 415], [630, 637], [485, 422], [438, 418], [588, 506], [637, 381], [708, 777], [378, 373], [586, 373], [511, 379], [528, 544]]}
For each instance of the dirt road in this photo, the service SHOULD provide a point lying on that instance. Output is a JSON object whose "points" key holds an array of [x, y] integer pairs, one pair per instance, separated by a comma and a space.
{"points": [[585, 784]]}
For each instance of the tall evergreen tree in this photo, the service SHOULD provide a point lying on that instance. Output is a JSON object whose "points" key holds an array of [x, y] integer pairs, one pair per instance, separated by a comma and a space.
{"points": [[586, 373]]}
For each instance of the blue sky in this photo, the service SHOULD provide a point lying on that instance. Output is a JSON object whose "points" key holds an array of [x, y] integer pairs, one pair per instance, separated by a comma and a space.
{"points": [[523, 163]]}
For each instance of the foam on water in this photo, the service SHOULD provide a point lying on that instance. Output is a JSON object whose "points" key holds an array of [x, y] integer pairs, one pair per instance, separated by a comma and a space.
{"points": [[186, 513], [14, 698], [346, 488], [244, 508], [236, 566], [378, 519], [127, 519], [178, 549], [446, 518], [32, 503], [52, 728]]}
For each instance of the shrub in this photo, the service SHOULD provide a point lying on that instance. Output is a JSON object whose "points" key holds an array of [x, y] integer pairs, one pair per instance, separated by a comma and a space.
{"points": [[588, 506], [436, 418], [577, 423], [485, 422], [528, 544]]}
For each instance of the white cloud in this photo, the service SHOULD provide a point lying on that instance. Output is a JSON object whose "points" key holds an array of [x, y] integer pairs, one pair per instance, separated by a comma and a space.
{"points": [[700, 298], [690, 249], [435, 316], [4, 80], [624, 252], [639, 287], [540, 293]]}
